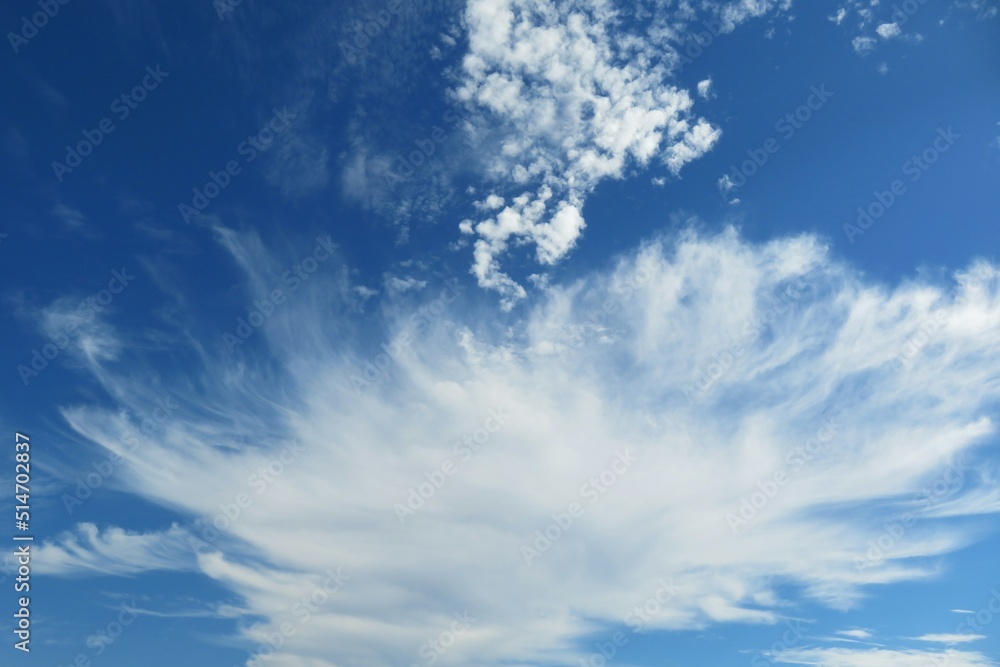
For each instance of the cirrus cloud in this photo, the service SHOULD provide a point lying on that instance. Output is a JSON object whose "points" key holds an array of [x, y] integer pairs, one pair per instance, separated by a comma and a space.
{"points": [[614, 362]]}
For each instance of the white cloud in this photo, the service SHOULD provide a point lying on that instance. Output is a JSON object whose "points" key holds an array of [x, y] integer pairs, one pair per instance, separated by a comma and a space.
{"points": [[863, 45], [705, 88], [947, 638], [398, 285], [297, 164], [574, 105], [737, 11], [877, 21], [842, 657], [79, 325], [608, 363], [888, 30], [984, 9], [856, 633]]}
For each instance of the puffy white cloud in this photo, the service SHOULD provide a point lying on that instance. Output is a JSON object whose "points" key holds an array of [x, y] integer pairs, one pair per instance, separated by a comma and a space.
{"points": [[863, 45], [736, 12], [568, 103], [888, 30], [711, 361], [878, 21]]}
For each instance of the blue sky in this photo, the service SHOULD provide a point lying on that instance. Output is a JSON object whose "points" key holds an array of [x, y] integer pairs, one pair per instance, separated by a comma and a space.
{"points": [[509, 332]]}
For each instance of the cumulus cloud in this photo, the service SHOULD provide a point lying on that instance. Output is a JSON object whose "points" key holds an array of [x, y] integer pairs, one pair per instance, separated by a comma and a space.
{"points": [[863, 45], [876, 21], [442, 457], [71, 218], [568, 105], [888, 30]]}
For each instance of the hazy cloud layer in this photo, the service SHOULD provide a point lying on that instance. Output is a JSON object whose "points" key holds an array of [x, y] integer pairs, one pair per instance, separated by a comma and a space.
{"points": [[664, 397]]}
